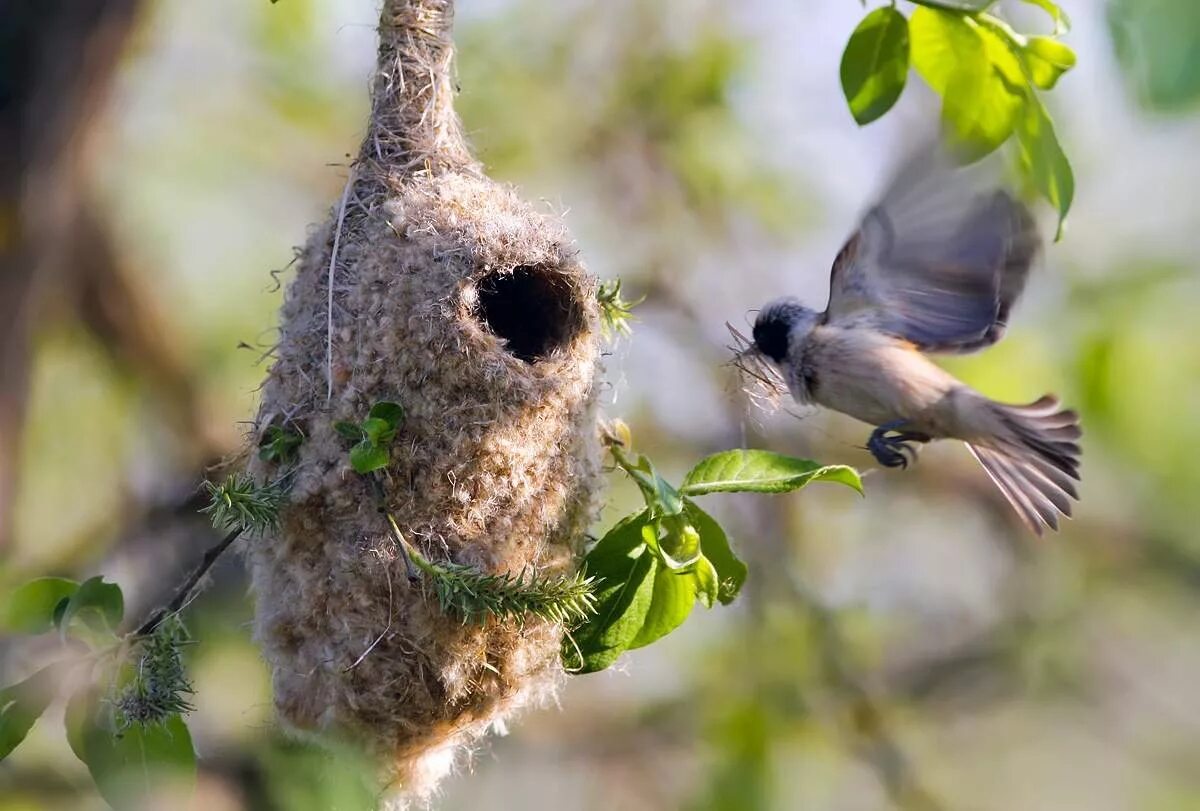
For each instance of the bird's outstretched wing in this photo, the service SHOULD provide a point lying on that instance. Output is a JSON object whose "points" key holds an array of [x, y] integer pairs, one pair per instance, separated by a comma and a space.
{"points": [[939, 261]]}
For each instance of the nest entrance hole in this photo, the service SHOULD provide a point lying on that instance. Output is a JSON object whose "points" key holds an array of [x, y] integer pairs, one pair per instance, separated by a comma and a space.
{"points": [[533, 310]]}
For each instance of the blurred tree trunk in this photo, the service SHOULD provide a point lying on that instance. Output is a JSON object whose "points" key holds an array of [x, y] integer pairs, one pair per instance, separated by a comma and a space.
{"points": [[57, 62]]}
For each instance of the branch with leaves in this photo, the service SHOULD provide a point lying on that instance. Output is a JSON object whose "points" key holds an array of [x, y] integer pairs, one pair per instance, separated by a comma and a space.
{"points": [[653, 566], [987, 74]]}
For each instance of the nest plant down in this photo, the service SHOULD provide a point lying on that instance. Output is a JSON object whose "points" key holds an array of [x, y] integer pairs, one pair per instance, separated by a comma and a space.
{"points": [[434, 287]]}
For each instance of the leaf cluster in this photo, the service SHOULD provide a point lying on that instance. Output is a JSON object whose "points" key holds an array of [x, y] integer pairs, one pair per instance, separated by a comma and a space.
{"points": [[986, 73], [653, 567], [373, 437], [125, 722]]}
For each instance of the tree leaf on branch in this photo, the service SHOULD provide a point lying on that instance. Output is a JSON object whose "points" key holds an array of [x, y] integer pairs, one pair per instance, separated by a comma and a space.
{"points": [[98, 605], [874, 66], [757, 471], [30, 609], [21, 704], [1043, 159], [134, 767], [974, 74], [714, 544], [956, 5], [623, 568]]}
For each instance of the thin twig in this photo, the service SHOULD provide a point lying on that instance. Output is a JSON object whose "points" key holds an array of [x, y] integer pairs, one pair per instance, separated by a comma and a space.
{"points": [[184, 593], [337, 241]]}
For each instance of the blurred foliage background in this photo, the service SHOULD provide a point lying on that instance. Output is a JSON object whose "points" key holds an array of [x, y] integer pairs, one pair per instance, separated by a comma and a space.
{"points": [[911, 650]]}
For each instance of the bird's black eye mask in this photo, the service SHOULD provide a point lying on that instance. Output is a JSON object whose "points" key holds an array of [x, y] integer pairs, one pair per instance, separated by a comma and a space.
{"points": [[771, 336]]}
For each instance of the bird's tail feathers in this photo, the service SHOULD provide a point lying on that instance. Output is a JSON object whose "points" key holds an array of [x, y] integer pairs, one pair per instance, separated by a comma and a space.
{"points": [[1032, 456]]}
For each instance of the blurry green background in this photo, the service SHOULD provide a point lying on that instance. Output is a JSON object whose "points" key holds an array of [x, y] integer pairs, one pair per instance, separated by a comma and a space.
{"points": [[914, 649]]}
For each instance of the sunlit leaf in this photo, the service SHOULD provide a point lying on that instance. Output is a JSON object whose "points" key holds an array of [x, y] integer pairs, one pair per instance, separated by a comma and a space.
{"points": [[714, 543], [1044, 161], [660, 496], [21, 704], [875, 64], [972, 72], [624, 571], [1047, 60], [1062, 22], [672, 600], [708, 584], [956, 5], [30, 608], [757, 471], [138, 767]]}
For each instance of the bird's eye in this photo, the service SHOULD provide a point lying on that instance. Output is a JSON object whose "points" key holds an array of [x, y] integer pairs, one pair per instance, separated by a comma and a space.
{"points": [[771, 337]]}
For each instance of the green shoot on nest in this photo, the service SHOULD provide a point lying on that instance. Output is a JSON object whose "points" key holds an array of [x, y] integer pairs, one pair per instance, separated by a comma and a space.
{"points": [[474, 595], [160, 687], [239, 504], [615, 312], [280, 444]]}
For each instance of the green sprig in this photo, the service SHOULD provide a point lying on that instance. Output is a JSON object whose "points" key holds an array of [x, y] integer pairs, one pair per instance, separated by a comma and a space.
{"points": [[615, 312], [239, 504], [160, 687], [474, 595]]}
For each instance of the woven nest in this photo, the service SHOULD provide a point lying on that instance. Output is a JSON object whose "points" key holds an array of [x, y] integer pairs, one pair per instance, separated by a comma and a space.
{"points": [[433, 287]]}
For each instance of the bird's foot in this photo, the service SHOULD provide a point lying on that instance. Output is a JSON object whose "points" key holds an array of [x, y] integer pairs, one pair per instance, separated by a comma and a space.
{"points": [[895, 448]]}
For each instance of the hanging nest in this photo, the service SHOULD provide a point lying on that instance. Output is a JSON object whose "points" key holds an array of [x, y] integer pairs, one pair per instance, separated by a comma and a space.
{"points": [[436, 288]]}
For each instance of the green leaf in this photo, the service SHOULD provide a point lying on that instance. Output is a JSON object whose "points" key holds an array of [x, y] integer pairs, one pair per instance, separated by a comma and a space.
{"points": [[980, 81], [378, 432], [1062, 23], [366, 457], [1043, 159], [672, 600], [279, 444], [875, 64], [21, 704], [1156, 43], [349, 430], [680, 546], [136, 766], [755, 471], [660, 496], [97, 604], [708, 584], [30, 608], [714, 543], [1047, 60], [956, 5], [623, 569], [390, 413]]}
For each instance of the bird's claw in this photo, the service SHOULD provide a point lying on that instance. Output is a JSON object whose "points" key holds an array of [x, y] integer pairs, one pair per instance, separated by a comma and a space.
{"points": [[892, 448]]}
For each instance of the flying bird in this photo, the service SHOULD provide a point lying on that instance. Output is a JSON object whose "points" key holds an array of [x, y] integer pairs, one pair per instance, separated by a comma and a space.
{"points": [[934, 267]]}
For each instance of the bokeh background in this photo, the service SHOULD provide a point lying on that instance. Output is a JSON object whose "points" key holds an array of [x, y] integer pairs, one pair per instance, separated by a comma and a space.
{"points": [[913, 649]]}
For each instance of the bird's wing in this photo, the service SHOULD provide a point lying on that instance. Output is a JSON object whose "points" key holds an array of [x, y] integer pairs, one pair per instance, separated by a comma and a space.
{"points": [[939, 261]]}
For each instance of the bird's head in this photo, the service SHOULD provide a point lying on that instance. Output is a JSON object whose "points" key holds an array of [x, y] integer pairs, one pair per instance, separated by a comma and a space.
{"points": [[778, 322]]}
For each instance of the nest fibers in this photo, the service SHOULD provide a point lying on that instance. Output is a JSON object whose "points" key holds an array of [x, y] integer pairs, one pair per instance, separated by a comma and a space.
{"points": [[436, 288]]}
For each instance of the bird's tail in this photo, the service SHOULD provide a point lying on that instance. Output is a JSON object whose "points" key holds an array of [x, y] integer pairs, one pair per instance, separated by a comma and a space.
{"points": [[1032, 455]]}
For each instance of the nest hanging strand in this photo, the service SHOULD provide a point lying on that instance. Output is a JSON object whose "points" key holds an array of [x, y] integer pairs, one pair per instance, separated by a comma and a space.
{"points": [[413, 127]]}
